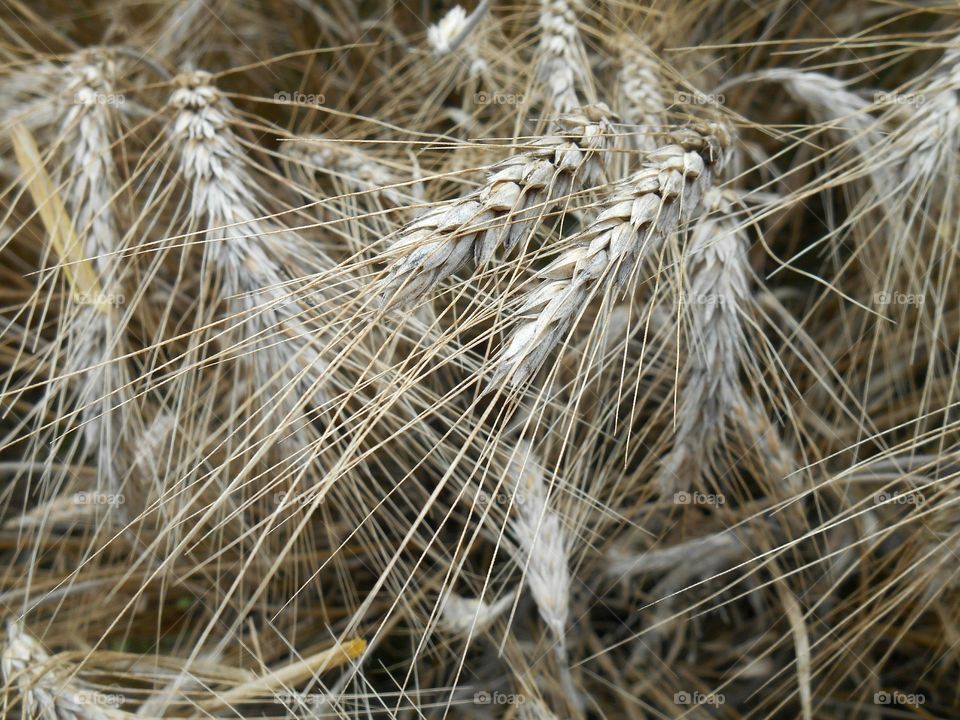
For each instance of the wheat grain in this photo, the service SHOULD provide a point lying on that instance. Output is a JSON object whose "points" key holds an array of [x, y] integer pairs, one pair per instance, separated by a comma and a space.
{"points": [[516, 193], [636, 219]]}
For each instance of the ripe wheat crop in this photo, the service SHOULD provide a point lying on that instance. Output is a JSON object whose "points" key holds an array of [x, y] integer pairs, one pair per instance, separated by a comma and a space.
{"points": [[548, 359]]}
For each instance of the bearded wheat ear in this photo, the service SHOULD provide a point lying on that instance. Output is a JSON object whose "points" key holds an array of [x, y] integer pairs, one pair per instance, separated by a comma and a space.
{"points": [[544, 554], [932, 140], [635, 220], [717, 296], [96, 334], [518, 190], [27, 666], [240, 244], [641, 89], [765, 440], [626, 565], [357, 170], [563, 65]]}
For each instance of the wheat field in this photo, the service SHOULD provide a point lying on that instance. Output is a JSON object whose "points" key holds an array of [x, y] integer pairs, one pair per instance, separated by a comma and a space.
{"points": [[545, 359]]}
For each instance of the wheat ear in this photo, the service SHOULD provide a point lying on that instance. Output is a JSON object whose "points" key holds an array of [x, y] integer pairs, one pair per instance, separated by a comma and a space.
{"points": [[563, 65], [641, 92], [517, 191], [718, 295], [26, 665], [544, 553], [95, 333], [932, 139], [635, 220], [359, 171], [238, 242]]}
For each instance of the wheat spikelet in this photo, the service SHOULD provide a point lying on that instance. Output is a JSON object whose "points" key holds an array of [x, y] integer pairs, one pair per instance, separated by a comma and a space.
{"points": [[465, 616], [562, 59], [517, 191], [636, 219], [456, 29]]}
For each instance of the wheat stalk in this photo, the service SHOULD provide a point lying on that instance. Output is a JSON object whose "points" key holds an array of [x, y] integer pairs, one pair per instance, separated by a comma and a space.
{"points": [[635, 220], [516, 193]]}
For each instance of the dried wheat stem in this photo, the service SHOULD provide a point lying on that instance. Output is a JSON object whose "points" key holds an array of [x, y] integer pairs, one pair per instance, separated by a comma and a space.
{"points": [[518, 190], [563, 64], [718, 294], [637, 218]]}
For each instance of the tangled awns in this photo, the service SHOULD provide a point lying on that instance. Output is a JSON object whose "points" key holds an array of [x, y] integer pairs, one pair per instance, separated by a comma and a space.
{"points": [[542, 359]]}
